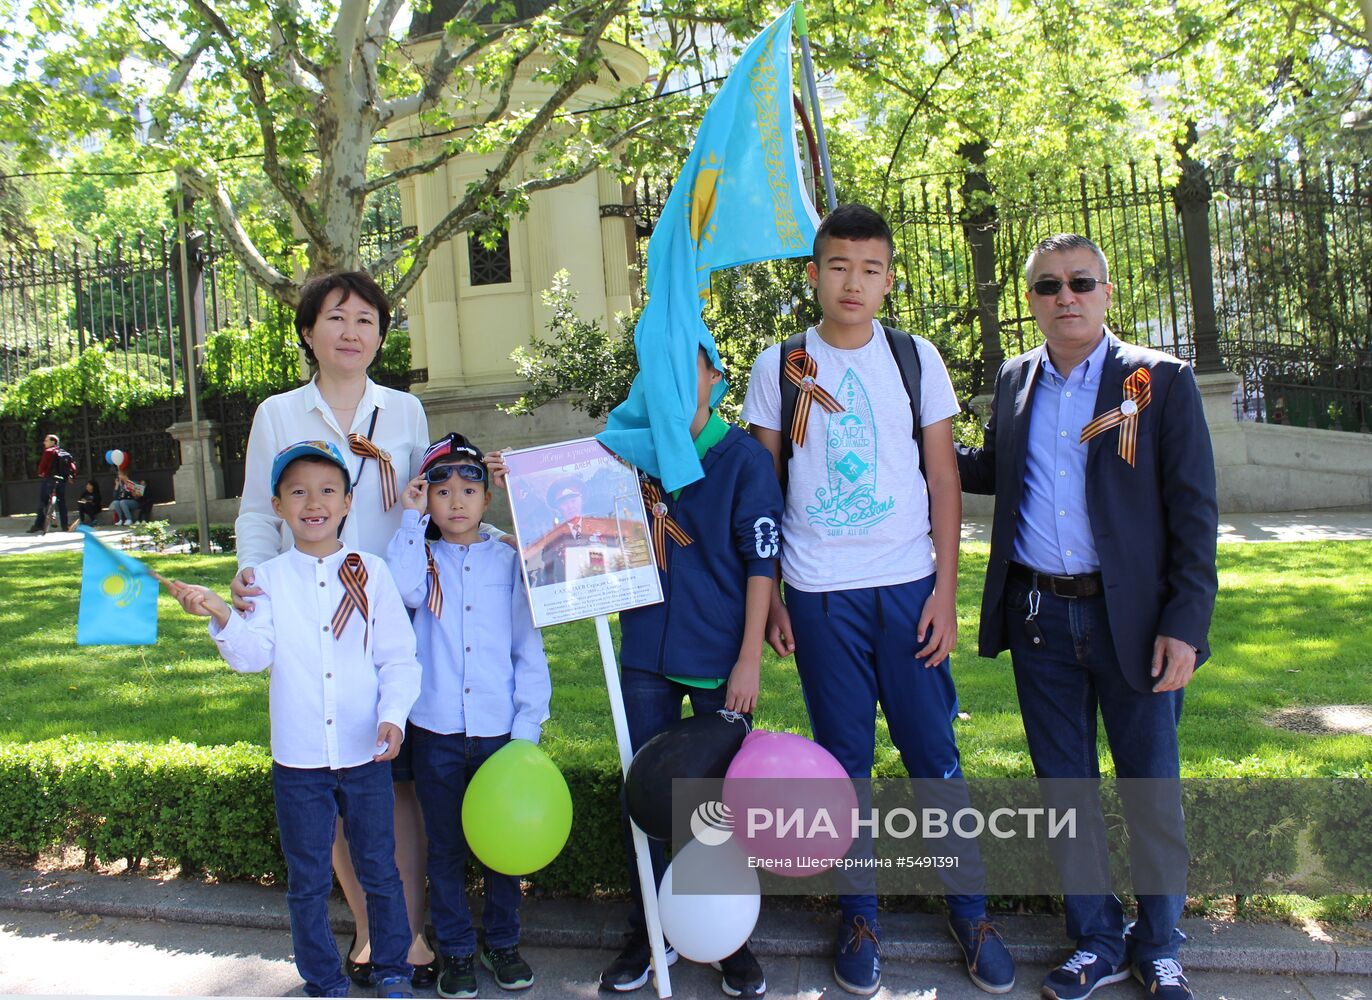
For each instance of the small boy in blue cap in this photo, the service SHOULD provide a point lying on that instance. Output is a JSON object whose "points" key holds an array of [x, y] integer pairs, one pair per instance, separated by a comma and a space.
{"points": [[332, 627], [485, 683]]}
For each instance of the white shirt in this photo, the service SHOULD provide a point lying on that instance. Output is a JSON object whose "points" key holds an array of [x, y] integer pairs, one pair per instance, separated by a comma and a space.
{"points": [[328, 696], [857, 509], [485, 672], [302, 415]]}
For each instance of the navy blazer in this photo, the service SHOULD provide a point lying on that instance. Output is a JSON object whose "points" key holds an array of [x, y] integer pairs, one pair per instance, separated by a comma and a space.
{"points": [[1154, 523]]}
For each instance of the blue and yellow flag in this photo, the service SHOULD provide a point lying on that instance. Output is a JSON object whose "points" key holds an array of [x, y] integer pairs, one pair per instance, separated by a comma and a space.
{"points": [[118, 598], [738, 199]]}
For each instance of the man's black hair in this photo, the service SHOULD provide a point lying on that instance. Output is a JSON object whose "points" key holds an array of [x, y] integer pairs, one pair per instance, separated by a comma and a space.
{"points": [[315, 291], [854, 222]]}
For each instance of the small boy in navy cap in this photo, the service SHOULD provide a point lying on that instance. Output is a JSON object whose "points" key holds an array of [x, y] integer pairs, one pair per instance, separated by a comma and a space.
{"points": [[332, 627]]}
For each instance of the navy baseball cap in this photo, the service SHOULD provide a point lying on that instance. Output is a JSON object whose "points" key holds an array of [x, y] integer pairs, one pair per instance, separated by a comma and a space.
{"points": [[324, 450]]}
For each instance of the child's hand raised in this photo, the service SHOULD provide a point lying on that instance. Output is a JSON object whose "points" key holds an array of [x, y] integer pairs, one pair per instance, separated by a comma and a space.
{"points": [[496, 467], [200, 601], [416, 495]]}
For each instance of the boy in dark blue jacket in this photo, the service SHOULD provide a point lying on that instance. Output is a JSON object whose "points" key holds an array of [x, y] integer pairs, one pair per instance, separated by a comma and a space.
{"points": [[717, 542]]}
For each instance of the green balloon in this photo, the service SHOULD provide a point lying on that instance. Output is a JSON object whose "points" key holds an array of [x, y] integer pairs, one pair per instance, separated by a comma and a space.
{"points": [[517, 813]]}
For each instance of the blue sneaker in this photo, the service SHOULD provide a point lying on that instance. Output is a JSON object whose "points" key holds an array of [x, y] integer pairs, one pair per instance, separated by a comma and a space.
{"points": [[1163, 978], [1080, 976], [988, 960], [857, 962], [395, 986]]}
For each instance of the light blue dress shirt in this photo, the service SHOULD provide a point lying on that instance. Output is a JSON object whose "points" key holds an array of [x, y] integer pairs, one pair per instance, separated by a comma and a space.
{"points": [[1054, 524], [484, 669]]}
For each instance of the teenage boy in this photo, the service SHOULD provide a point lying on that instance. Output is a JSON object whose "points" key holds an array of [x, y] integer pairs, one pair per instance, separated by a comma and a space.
{"points": [[869, 609], [331, 626], [485, 683], [716, 553]]}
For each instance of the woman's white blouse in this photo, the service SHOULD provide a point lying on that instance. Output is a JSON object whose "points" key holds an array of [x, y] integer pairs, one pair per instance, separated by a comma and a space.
{"points": [[302, 415]]}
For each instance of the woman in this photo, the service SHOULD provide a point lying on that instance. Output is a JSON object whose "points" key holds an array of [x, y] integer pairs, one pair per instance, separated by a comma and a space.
{"points": [[90, 503], [341, 322], [127, 491]]}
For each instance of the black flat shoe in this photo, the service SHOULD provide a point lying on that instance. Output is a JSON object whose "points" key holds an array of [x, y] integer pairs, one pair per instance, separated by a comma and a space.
{"points": [[358, 972], [426, 975]]}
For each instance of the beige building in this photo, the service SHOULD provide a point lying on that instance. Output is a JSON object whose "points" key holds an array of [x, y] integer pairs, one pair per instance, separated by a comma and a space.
{"points": [[473, 306]]}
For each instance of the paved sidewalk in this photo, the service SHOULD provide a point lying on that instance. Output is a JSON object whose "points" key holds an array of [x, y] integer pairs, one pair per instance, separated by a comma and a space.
{"points": [[1340, 524], [78, 933]]}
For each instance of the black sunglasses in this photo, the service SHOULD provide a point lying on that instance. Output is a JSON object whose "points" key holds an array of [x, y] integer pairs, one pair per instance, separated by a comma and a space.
{"points": [[1051, 286], [442, 473]]}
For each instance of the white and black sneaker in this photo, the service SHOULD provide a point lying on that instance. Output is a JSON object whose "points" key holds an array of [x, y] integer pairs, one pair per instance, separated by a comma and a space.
{"points": [[632, 967], [742, 974]]}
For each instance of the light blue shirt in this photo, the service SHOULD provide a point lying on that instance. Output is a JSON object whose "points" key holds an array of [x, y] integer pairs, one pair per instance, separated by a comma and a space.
{"points": [[484, 669], [1054, 524]]}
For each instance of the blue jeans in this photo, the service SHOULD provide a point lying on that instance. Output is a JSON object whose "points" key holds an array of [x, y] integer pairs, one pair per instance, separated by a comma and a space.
{"points": [[308, 804], [652, 702], [855, 649], [443, 764], [125, 510], [1060, 686]]}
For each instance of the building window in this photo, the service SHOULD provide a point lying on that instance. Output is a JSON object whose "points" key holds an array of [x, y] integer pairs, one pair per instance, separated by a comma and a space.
{"points": [[489, 267]]}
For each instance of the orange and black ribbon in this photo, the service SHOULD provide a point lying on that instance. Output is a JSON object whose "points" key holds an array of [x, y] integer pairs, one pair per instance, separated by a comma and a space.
{"points": [[353, 575], [663, 523], [801, 371], [1138, 393], [435, 589], [360, 445]]}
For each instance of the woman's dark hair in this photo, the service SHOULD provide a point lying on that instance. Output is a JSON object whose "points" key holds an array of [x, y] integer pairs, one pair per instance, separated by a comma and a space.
{"points": [[350, 283]]}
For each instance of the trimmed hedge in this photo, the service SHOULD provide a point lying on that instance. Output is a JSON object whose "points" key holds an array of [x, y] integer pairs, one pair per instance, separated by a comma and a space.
{"points": [[210, 810]]}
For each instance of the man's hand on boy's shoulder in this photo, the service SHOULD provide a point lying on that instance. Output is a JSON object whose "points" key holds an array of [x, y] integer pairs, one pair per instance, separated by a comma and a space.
{"points": [[938, 627], [742, 686]]}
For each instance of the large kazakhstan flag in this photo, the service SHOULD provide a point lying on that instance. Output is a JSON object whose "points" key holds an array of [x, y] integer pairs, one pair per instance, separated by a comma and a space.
{"points": [[738, 199], [118, 598]]}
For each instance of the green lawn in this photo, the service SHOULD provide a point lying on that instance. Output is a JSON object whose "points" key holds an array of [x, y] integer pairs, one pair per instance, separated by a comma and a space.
{"points": [[1294, 627]]}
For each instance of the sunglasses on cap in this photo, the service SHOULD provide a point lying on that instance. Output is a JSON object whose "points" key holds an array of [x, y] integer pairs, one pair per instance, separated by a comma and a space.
{"points": [[442, 473], [1051, 286]]}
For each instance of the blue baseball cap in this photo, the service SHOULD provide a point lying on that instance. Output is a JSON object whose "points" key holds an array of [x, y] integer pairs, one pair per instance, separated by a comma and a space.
{"points": [[324, 450]]}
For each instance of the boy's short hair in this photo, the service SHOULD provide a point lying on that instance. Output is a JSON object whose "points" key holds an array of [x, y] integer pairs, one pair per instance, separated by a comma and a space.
{"points": [[854, 222], [325, 452], [316, 290]]}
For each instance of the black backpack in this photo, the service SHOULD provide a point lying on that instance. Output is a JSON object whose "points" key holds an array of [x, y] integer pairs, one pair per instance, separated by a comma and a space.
{"points": [[65, 468], [905, 352]]}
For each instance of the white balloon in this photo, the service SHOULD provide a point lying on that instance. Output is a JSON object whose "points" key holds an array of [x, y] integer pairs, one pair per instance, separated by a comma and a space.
{"points": [[117, 456], [716, 918]]}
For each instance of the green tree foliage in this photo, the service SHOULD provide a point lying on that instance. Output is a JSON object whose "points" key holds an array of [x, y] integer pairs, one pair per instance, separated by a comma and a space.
{"points": [[108, 382], [301, 99]]}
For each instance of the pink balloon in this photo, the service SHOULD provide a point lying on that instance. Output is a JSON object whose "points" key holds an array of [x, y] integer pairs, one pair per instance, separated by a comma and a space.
{"points": [[791, 802]]}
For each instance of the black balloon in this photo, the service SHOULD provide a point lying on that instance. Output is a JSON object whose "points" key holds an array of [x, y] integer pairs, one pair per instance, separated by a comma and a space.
{"points": [[700, 746]]}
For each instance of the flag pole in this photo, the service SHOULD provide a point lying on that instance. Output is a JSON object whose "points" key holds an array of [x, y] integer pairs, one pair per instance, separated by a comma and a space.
{"points": [[803, 33]]}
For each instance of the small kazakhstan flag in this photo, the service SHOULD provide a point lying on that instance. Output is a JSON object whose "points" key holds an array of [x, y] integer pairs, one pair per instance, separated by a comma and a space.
{"points": [[118, 598], [738, 199]]}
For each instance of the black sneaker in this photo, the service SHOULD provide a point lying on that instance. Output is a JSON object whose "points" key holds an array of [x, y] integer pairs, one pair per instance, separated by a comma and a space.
{"points": [[742, 975], [458, 978], [509, 968], [634, 964]]}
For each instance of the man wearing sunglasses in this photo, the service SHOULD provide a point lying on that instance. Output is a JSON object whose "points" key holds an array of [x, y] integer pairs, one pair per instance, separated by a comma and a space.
{"points": [[1101, 583]]}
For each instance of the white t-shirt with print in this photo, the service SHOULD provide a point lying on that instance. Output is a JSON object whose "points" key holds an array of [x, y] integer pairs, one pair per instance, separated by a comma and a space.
{"points": [[857, 509]]}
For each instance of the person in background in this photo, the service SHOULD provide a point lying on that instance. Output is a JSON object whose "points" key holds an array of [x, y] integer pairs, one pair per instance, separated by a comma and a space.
{"points": [[90, 503]]}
